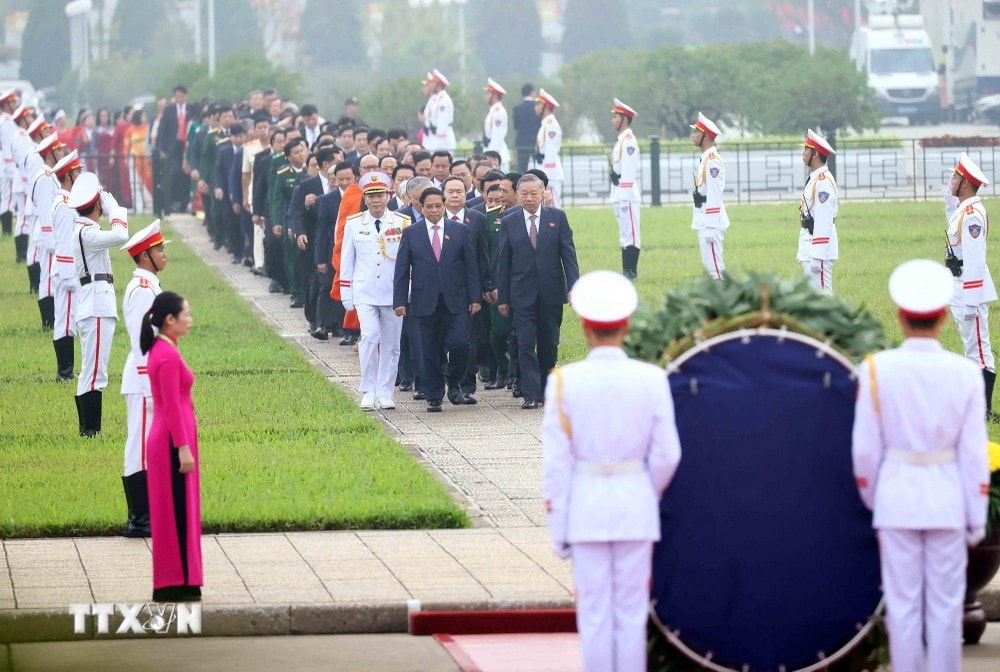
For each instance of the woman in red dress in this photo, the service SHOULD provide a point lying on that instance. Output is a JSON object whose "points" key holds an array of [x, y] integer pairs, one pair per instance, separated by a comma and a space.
{"points": [[123, 186], [172, 455], [104, 150]]}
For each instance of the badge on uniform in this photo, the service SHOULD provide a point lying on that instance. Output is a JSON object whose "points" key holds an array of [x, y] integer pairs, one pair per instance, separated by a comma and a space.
{"points": [[631, 151], [441, 108], [497, 122], [552, 134], [714, 172], [975, 230], [823, 196]]}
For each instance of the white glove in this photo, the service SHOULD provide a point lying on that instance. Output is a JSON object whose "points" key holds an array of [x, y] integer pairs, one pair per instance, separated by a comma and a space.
{"points": [[815, 265], [119, 212], [71, 285], [971, 312], [974, 536], [108, 202], [562, 550], [348, 305]]}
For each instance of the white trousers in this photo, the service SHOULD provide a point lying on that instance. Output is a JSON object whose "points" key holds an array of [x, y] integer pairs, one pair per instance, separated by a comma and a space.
{"points": [[139, 418], [975, 334], [6, 191], [258, 246], [20, 218], [612, 603], [555, 186], [627, 214], [378, 349], [821, 279], [710, 247], [96, 334], [45, 282], [65, 311], [923, 579]]}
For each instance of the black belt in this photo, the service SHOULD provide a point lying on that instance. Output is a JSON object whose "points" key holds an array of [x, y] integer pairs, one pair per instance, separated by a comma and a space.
{"points": [[99, 277]]}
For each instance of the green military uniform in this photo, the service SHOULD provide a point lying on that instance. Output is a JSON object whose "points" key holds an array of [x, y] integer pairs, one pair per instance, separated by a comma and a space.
{"points": [[500, 326], [286, 178], [206, 169]]}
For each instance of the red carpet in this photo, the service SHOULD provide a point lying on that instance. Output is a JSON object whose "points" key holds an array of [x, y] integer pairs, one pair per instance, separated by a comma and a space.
{"points": [[524, 652]]}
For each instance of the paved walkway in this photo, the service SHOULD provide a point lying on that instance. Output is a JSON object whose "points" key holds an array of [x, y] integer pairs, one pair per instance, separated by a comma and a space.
{"points": [[488, 455]]}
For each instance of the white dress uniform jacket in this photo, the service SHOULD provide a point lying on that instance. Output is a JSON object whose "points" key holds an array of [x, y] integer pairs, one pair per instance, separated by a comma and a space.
{"points": [[64, 270], [607, 410], [549, 143], [440, 113], [710, 182], [625, 160], [495, 130], [368, 259], [136, 302], [819, 198], [8, 129], [91, 258], [42, 193], [967, 229]]}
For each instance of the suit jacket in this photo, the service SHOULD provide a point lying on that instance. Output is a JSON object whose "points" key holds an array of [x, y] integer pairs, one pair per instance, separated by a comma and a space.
{"points": [[261, 167], [300, 218], [236, 178], [476, 223], [166, 134], [326, 207], [477, 203], [454, 277], [223, 166], [545, 274], [526, 124], [395, 203]]}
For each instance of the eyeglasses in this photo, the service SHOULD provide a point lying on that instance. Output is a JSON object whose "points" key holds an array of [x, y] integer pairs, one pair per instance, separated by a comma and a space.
{"points": [[433, 206]]}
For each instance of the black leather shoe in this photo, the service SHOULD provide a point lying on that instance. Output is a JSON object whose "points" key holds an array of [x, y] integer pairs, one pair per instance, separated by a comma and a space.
{"points": [[418, 395], [433, 405], [248, 262], [319, 333], [516, 391], [258, 272], [274, 287], [530, 404], [460, 398], [349, 339], [497, 384], [296, 303], [234, 259], [405, 387]]}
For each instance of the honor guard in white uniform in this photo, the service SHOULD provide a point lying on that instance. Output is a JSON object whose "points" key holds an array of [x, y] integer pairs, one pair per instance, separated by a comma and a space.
{"points": [[919, 451], [625, 190], [496, 123], [146, 249], [610, 447], [26, 161], [818, 215], [367, 264], [439, 115], [9, 132], [548, 143], [66, 282], [42, 191], [97, 312], [8, 103], [965, 256], [709, 217]]}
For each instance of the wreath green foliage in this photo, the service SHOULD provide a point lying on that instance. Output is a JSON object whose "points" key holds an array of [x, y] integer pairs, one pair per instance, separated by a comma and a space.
{"points": [[703, 308]]}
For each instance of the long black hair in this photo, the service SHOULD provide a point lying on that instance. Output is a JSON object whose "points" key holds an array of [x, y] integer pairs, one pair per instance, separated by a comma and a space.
{"points": [[167, 303]]}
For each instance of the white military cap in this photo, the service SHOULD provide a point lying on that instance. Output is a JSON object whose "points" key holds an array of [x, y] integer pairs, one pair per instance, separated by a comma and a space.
{"points": [[437, 76], [375, 182], [921, 288], [67, 163], [7, 94], [622, 108], [47, 144], [151, 236], [816, 141], [86, 190], [37, 125], [970, 171], [706, 125], [491, 85], [546, 98], [604, 299], [20, 112], [428, 78]]}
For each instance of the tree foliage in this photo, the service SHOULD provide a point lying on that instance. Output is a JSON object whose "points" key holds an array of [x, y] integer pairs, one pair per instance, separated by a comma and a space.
{"points": [[767, 87], [135, 27], [509, 37], [236, 28], [235, 76], [594, 25], [344, 48], [45, 56]]}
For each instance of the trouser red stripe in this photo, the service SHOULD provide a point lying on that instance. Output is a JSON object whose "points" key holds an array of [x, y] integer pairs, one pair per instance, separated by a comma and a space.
{"points": [[979, 342], [97, 357], [718, 276]]}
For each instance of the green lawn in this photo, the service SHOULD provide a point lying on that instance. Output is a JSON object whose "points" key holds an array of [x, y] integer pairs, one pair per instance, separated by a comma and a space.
{"points": [[281, 447]]}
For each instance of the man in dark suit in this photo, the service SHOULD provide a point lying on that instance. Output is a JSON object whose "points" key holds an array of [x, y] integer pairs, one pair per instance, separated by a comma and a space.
{"points": [[526, 125], [222, 189], [302, 218], [439, 261], [171, 139], [537, 264], [262, 209], [401, 173], [330, 312], [409, 346]]}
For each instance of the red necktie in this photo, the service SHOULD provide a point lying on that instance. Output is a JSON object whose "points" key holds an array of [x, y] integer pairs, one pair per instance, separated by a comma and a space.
{"points": [[436, 242], [181, 127], [454, 218]]}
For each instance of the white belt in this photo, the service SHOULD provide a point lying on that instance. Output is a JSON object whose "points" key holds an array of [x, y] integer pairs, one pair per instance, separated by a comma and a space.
{"points": [[610, 468], [934, 457]]}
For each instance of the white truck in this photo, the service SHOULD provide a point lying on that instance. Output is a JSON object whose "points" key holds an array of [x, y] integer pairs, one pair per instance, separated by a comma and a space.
{"points": [[896, 52], [954, 27]]}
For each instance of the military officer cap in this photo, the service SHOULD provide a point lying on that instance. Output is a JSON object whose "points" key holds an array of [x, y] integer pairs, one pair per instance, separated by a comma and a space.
{"points": [[429, 77], [438, 77], [37, 126], [706, 125], [47, 144], [86, 190], [546, 98], [491, 85], [817, 142], [604, 300], [375, 182], [623, 109], [7, 94], [69, 162], [921, 288], [147, 238], [20, 112], [970, 171]]}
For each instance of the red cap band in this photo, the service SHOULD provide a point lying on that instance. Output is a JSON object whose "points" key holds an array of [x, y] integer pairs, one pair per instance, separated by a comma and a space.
{"points": [[604, 326]]}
